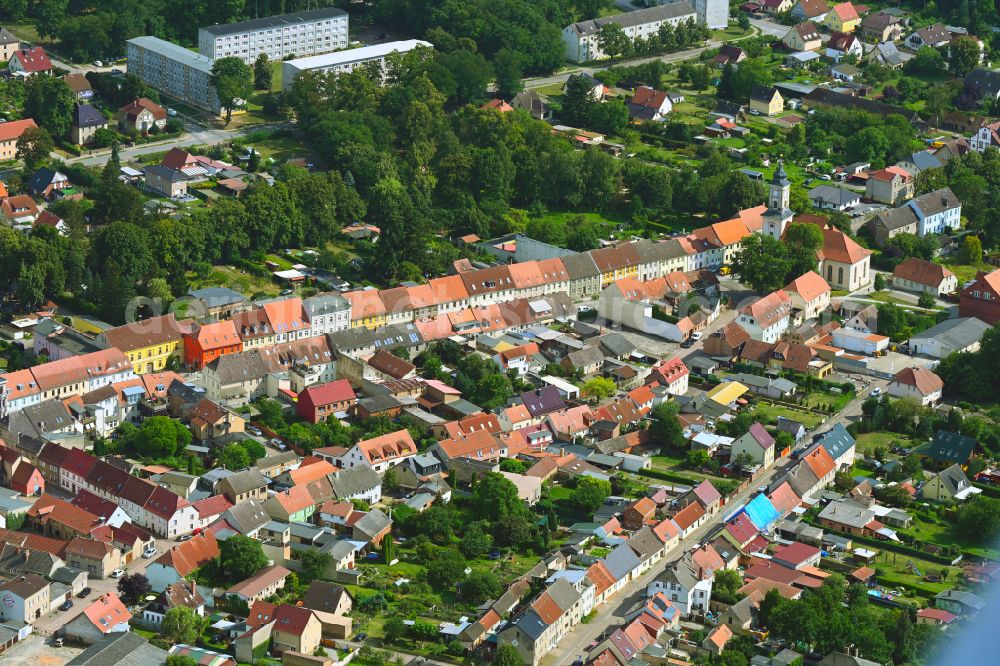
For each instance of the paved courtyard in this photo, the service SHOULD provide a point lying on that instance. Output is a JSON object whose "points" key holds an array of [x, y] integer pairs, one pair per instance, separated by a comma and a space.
{"points": [[38, 650]]}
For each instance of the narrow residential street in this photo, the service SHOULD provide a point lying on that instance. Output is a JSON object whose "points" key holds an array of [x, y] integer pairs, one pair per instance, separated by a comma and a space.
{"points": [[612, 614]]}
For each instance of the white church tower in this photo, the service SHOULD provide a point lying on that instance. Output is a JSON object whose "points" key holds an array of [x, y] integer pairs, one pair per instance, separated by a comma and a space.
{"points": [[778, 214]]}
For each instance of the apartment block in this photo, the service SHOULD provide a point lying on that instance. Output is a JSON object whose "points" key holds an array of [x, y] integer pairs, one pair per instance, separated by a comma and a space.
{"points": [[286, 36], [174, 70], [343, 62]]}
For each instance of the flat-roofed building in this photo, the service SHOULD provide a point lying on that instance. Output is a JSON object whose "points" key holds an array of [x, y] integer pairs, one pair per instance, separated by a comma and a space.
{"points": [[297, 34], [342, 62], [174, 70]]}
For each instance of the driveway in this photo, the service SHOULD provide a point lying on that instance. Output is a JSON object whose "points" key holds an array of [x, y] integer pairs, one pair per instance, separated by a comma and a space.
{"points": [[769, 27], [38, 650]]}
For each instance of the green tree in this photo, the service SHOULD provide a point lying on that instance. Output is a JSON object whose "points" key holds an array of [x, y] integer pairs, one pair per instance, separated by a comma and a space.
{"points": [[612, 40], [262, 72], [507, 655], [48, 14], [600, 388], [232, 79], [33, 148], [446, 570], [133, 587], [241, 557], [394, 629], [182, 625], [666, 429], [508, 68], [590, 493], [157, 437], [578, 100], [181, 660], [494, 495], [388, 549], [31, 286], [50, 102], [972, 250], [979, 519], [802, 242], [480, 586], [926, 300], [879, 282], [762, 263], [314, 564], [963, 55], [234, 457], [475, 542]]}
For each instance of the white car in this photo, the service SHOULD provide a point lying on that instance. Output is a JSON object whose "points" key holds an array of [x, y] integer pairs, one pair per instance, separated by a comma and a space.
{"points": [[875, 391], [117, 573], [149, 552], [98, 63], [696, 335], [171, 112]]}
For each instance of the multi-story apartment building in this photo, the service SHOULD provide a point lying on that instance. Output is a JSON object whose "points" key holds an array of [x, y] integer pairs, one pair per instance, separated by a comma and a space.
{"points": [[298, 34], [62, 379], [581, 37], [174, 70], [343, 62]]}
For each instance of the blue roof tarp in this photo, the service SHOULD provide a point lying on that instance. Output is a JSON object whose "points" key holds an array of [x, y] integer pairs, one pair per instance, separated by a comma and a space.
{"points": [[762, 513]]}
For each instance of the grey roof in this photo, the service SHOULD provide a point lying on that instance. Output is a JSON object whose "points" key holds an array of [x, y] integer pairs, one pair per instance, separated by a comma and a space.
{"points": [[587, 356], [763, 93], [531, 624], [665, 251], [985, 80], [948, 446], [955, 334], [580, 266], [621, 561], [896, 218], [355, 481], [954, 478], [85, 115], [638, 17], [120, 648], [645, 543], [789, 426], [274, 21], [247, 516], [165, 173], [838, 196], [372, 523], [386, 337], [322, 304], [681, 572], [236, 368], [277, 459], [847, 512], [963, 597], [924, 159], [174, 52], [889, 54], [837, 441], [563, 593], [324, 596], [616, 344], [215, 297], [245, 481], [7, 38], [936, 201]]}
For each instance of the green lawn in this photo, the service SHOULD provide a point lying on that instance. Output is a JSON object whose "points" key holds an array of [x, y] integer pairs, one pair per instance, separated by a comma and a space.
{"points": [[731, 32], [893, 570], [869, 441], [816, 398], [886, 297], [808, 419], [945, 535], [965, 272]]}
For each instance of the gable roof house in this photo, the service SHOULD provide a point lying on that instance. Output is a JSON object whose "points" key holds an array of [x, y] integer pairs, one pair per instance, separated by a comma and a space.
{"points": [[142, 114], [935, 35], [810, 10], [756, 445], [182, 560], [381, 453], [766, 101], [104, 615], [917, 383], [950, 485], [766, 318], [948, 448], [882, 27], [649, 104], [30, 61], [803, 37], [843, 44], [842, 17], [86, 121]]}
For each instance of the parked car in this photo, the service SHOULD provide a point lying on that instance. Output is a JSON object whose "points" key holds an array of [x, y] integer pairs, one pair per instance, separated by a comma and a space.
{"points": [[98, 63], [184, 537], [149, 552], [171, 112], [875, 391], [117, 573], [66, 605], [254, 430], [84, 592], [58, 642], [696, 335]]}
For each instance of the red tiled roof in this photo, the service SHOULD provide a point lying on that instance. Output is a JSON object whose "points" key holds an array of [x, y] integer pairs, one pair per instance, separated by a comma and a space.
{"points": [[13, 130], [34, 60], [107, 612], [187, 556], [925, 381], [330, 393], [922, 272], [809, 285]]}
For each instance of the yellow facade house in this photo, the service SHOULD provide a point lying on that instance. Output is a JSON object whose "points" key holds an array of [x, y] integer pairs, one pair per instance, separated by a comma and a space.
{"points": [[842, 18], [149, 344]]}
